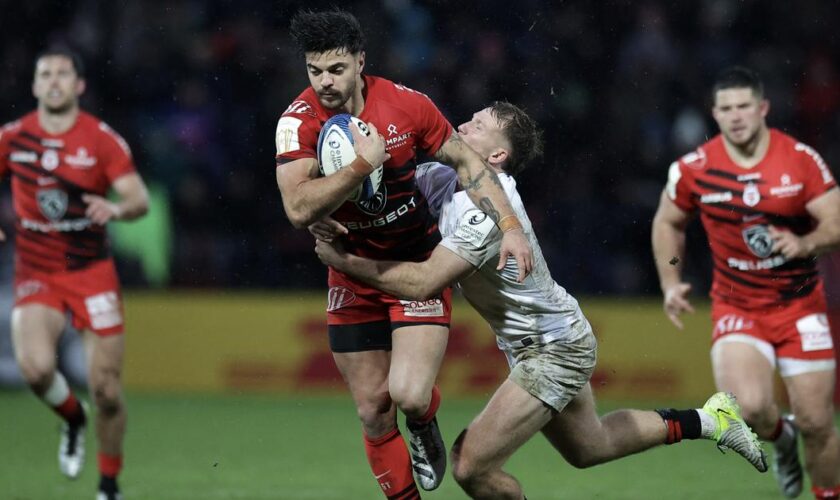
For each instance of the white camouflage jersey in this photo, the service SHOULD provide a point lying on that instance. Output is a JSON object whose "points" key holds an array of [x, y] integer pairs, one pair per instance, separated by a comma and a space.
{"points": [[538, 308]]}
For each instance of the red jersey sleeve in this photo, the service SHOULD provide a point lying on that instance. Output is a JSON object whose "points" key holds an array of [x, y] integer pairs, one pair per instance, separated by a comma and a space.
{"points": [[817, 176], [297, 132], [680, 181], [433, 129], [5, 149], [115, 154]]}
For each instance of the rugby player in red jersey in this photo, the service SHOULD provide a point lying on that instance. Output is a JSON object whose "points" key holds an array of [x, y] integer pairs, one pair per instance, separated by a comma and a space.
{"points": [[388, 350], [770, 206], [62, 162]]}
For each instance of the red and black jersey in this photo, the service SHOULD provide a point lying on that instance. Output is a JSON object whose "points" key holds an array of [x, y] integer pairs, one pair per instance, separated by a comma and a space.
{"points": [[395, 224], [737, 205], [49, 175]]}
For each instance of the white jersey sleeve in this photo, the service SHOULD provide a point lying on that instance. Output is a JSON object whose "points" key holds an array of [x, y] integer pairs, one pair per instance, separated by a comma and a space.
{"points": [[437, 182]]}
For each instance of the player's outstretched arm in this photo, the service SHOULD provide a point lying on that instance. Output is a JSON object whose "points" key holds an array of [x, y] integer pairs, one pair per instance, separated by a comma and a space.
{"points": [[668, 240], [133, 201], [407, 280], [825, 237], [484, 189]]}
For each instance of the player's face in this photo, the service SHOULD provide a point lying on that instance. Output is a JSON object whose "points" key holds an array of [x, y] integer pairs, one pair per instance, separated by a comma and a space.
{"points": [[57, 86], [483, 133], [334, 75], [740, 114]]}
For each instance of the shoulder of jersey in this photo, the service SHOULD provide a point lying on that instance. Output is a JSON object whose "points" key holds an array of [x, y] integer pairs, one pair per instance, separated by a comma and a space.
{"points": [[385, 88], [697, 159], [305, 105], [106, 130]]}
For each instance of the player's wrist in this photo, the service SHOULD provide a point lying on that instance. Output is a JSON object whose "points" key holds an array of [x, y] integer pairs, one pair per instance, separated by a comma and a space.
{"points": [[361, 167], [509, 223]]}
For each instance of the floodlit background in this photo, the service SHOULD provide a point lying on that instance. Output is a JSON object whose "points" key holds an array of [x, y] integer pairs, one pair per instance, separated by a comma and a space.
{"points": [[231, 388]]}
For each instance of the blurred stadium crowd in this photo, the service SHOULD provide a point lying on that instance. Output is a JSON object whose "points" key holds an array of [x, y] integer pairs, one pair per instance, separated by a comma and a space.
{"points": [[620, 87]]}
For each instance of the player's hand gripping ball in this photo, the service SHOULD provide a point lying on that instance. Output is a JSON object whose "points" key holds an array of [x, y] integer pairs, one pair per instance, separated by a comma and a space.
{"points": [[335, 151]]}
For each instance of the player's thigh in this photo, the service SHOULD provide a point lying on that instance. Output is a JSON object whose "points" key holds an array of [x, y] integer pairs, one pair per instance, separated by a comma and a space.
{"points": [[36, 329], [811, 398], [576, 427], [366, 374], [105, 355], [416, 356], [744, 367], [510, 419]]}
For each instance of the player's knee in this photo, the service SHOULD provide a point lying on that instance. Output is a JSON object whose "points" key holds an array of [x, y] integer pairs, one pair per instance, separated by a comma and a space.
{"points": [[107, 395], [581, 459], [411, 400], [374, 411], [38, 373], [815, 425], [756, 411]]}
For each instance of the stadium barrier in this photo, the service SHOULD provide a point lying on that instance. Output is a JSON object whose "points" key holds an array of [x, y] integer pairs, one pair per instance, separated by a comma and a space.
{"points": [[247, 342]]}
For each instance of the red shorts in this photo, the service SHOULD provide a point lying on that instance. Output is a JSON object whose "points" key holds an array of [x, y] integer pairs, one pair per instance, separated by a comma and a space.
{"points": [[362, 318], [797, 329], [92, 295]]}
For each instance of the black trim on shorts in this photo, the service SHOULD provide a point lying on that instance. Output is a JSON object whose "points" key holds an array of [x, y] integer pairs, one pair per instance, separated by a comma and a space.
{"points": [[375, 336], [402, 324]]}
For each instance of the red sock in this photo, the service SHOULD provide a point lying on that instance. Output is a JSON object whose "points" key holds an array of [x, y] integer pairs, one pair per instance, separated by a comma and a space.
{"points": [[110, 465], [391, 465], [70, 410], [777, 431], [434, 404], [826, 493]]}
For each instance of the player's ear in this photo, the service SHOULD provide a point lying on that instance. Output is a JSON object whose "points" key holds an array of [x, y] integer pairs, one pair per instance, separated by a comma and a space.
{"points": [[764, 107], [81, 85], [498, 157], [361, 60]]}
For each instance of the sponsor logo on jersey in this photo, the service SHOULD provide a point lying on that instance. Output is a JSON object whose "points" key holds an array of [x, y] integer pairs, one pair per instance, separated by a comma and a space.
{"points": [[758, 240], [390, 217], [392, 130], [286, 135], [49, 159], [732, 323], [749, 177], [29, 287], [477, 219], [62, 226], [423, 308], [375, 204], [392, 143], [52, 202], [786, 189], [81, 159], [104, 310], [299, 107], [24, 157], [475, 228], [756, 265], [52, 143], [716, 197], [815, 333], [339, 297], [751, 195], [695, 159]]}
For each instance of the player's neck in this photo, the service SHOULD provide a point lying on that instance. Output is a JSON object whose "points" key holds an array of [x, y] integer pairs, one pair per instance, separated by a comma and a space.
{"points": [[57, 123], [356, 104], [751, 153]]}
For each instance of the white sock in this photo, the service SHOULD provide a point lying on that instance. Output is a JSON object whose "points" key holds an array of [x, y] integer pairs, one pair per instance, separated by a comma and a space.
{"points": [[58, 391], [708, 424]]}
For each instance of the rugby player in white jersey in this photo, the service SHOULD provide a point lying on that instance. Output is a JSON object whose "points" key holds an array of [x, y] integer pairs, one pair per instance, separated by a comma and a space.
{"points": [[548, 342]]}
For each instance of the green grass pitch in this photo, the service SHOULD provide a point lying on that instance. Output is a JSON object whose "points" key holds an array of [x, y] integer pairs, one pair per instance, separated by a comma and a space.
{"points": [[294, 447]]}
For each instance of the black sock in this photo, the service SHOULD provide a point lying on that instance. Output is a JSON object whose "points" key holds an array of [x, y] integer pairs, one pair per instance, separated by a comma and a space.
{"points": [[108, 484], [682, 424]]}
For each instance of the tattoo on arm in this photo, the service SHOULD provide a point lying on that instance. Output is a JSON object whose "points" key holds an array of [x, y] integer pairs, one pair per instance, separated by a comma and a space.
{"points": [[487, 207]]}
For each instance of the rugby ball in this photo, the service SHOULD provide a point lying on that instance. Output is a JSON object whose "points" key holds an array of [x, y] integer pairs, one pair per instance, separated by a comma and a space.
{"points": [[335, 151]]}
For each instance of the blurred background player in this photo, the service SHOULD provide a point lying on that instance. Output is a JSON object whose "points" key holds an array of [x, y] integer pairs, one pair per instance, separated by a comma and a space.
{"points": [[548, 342], [770, 206], [388, 350], [62, 162]]}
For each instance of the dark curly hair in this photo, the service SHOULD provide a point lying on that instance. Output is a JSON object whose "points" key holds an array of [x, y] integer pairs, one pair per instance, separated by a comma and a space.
{"points": [[738, 77], [327, 30]]}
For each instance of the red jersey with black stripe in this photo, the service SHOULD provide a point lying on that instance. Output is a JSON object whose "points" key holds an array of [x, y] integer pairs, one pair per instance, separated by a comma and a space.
{"points": [[394, 224], [49, 175], [737, 205]]}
